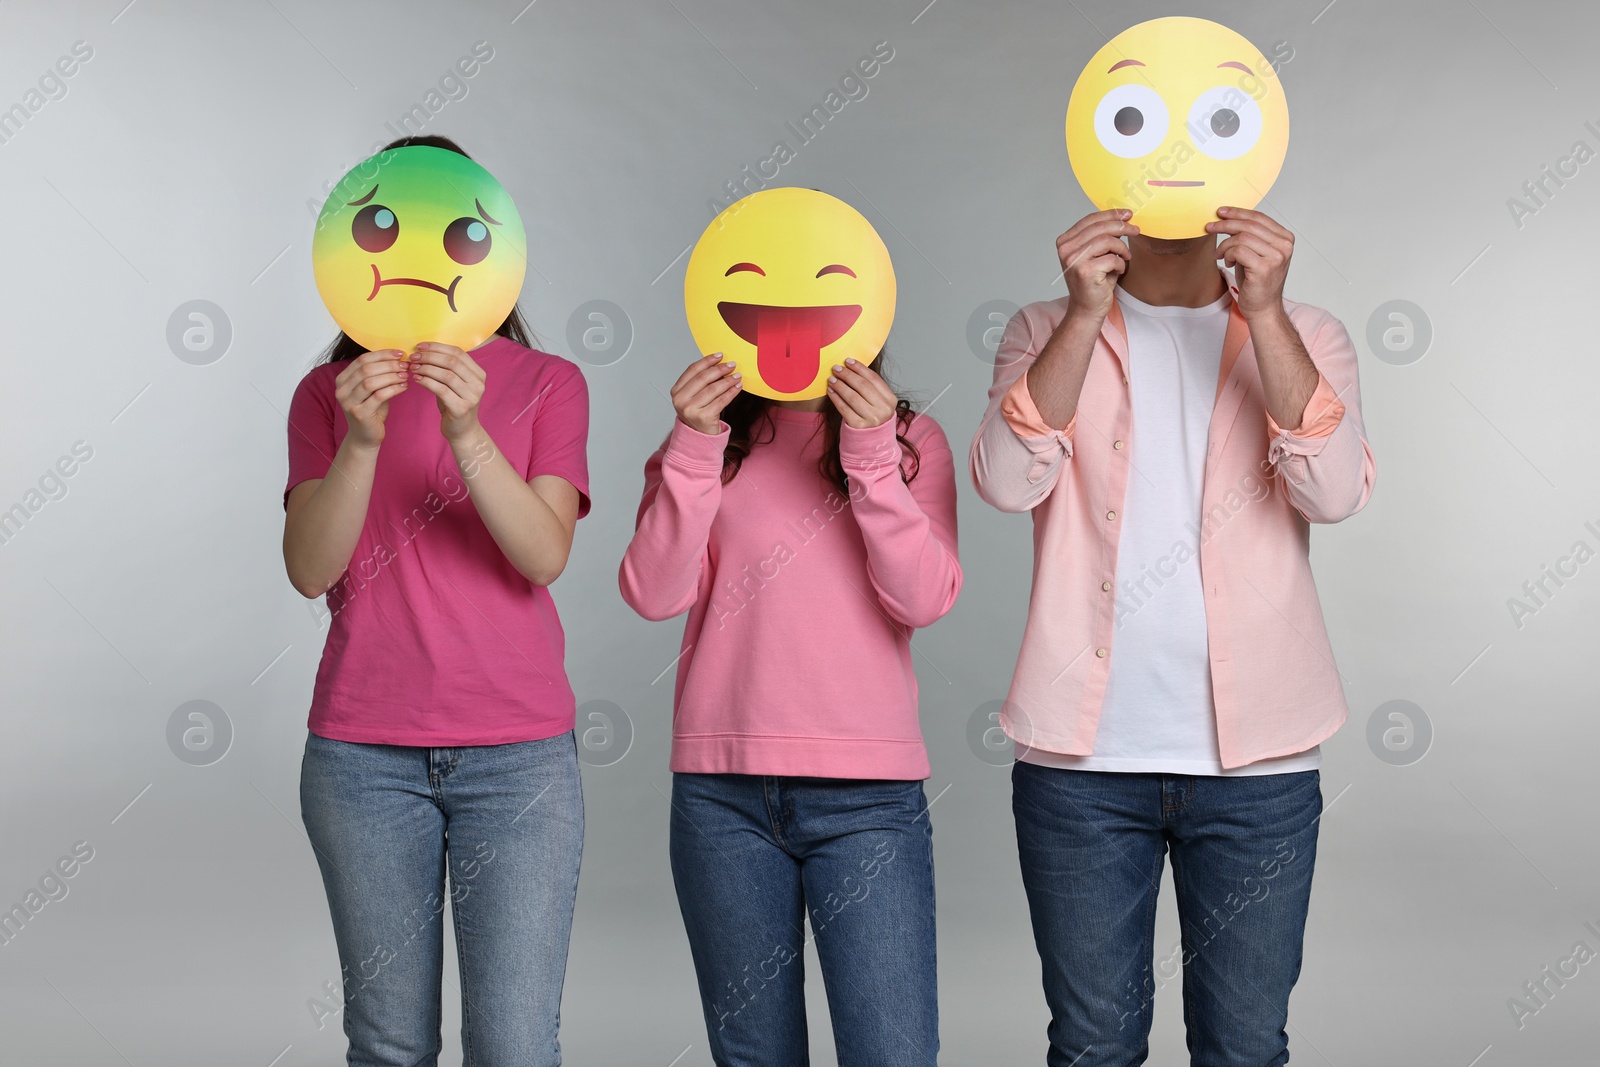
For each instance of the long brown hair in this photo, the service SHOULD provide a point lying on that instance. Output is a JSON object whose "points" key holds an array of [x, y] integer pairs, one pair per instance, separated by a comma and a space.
{"points": [[343, 348], [750, 424]]}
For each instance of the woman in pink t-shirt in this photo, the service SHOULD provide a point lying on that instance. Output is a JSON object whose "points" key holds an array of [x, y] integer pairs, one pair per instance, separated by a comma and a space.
{"points": [[806, 540], [432, 498]]}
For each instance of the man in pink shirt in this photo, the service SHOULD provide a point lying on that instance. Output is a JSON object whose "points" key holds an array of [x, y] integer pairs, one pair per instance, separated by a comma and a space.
{"points": [[1175, 678]]}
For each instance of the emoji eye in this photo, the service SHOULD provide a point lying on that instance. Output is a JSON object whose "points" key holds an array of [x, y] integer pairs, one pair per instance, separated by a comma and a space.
{"points": [[375, 228], [737, 267], [467, 241], [1131, 121], [1224, 122], [836, 268]]}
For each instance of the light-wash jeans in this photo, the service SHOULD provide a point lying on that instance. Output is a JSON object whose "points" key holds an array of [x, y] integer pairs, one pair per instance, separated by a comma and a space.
{"points": [[387, 823]]}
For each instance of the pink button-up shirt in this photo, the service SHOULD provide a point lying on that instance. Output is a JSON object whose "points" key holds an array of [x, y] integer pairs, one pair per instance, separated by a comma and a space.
{"points": [[1273, 679]]}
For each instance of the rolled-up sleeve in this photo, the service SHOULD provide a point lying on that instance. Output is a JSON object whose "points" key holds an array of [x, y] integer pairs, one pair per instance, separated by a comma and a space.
{"points": [[1325, 464], [1017, 457]]}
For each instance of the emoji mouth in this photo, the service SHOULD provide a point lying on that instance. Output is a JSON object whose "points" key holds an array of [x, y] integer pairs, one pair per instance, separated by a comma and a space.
{"points": [[1172, 184], [378, 282], [789, 340]]}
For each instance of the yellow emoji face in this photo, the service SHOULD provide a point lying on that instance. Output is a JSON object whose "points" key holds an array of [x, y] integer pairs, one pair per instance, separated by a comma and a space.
{"points": [[786, 283], [419, 244], [1173, 119]]}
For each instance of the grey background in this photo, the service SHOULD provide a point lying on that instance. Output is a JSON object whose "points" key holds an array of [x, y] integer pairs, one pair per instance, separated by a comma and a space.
{"points": [[179, 166]]}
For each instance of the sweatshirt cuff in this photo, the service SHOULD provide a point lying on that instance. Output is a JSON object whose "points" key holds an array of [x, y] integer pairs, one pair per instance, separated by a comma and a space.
{"points": [[869, 451], [1023, 415], [1323, 413], [687, 447]]}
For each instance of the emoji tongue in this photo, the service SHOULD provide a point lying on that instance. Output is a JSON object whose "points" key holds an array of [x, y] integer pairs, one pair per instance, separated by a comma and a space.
{"points": [[788, 347]]}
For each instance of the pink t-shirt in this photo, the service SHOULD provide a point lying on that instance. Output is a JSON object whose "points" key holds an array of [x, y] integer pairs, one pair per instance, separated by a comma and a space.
{"points": [[801, 599], [436, 639]]}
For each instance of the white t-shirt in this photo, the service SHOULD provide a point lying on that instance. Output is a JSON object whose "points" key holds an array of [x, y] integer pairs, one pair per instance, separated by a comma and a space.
{"points": [[1158, 714]]}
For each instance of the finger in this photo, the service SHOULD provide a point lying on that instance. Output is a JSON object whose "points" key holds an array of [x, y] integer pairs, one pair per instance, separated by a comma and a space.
{"points": [[1110, 218], [378, 354], [441, 349], [387, 366], [690, 395], [1273, 235], [1097, 263], [702, 393], [388, 358], [1244, 214], [1113, 219], [1263, 243], [373, 382], [469, 390], [842, 389], [449, 399], [718, 397], [1100, 246], [1244, 256], [1107, 265], [1255, 244], [356, 391], [715, 403], [465, 378], [857, 373], [846, 412], [438, 355], [870, 383], [701, 371], [693, 368], [849, 404], [1071, 243], [372, 403]]}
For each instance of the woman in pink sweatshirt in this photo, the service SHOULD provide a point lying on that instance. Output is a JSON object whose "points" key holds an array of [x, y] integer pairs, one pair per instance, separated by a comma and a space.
{"points": [[807, 540]]}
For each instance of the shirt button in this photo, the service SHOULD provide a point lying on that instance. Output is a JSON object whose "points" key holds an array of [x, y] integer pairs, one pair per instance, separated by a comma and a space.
{"points": [[1116, 444], [1100, 652], [1111, 514], [1106, 586]]}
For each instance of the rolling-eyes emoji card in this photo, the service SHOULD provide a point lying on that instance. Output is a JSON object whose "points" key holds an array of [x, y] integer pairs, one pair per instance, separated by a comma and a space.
{"points": [[1174, 118]]}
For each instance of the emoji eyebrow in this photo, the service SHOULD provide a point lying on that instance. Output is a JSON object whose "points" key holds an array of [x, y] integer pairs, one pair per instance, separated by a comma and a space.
{"points": [[1235, 65], [836, 268], [1125, 63], [745, 266], [485, 214], [364, 199]]}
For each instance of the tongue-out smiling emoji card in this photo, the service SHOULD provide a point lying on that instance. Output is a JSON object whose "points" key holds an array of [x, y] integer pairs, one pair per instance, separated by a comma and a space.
{"points": [[419, 244], [786, 283]]}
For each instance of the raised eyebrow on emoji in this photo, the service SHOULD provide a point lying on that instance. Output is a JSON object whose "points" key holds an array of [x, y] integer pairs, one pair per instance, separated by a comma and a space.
{"points": [[486, 216], [1235, 64], [364, 199]]}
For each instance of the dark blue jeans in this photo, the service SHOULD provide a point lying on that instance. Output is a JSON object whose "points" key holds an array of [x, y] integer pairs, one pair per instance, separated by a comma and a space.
{"points": [[752, 856], [389, 823], [1092, 845]]}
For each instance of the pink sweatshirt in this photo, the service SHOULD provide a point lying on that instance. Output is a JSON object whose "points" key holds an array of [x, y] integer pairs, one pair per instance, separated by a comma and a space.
{"points": [[797, 652]]}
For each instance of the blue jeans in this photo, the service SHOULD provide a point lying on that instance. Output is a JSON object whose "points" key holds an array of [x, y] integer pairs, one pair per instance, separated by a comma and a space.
{"points": [[751, 857], [1092, 844], [387, 823]]}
